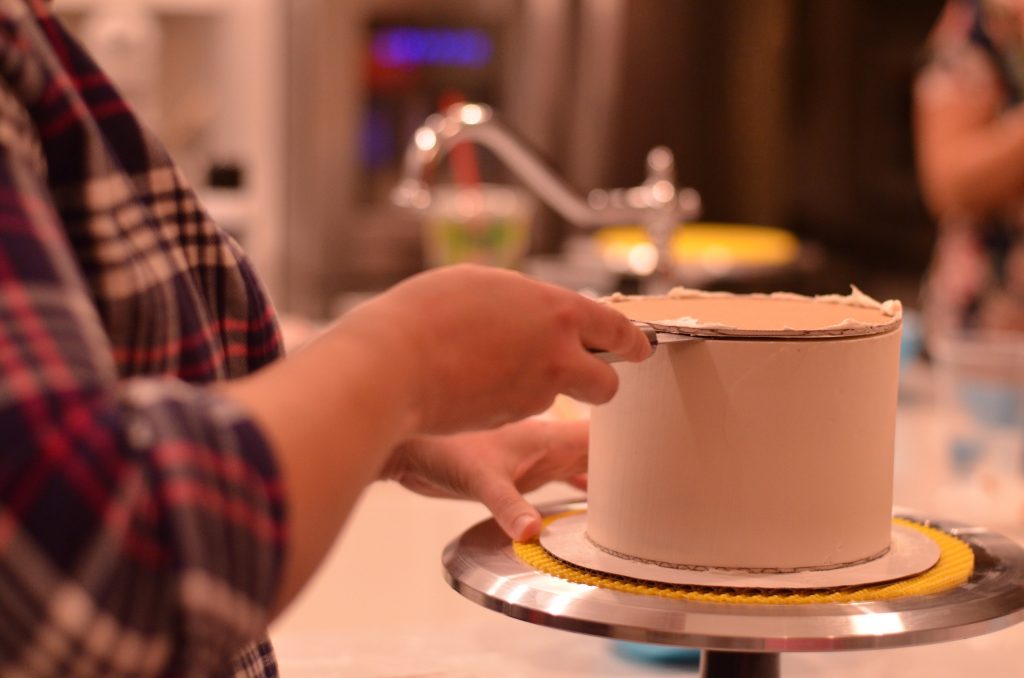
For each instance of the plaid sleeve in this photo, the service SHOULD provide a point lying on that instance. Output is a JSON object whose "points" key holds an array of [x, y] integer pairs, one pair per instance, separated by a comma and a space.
{"points": [[141, 520]]}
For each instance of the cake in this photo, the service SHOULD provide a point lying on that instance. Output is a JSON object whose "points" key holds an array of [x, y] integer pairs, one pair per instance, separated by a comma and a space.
{"points": [[765, 445]]}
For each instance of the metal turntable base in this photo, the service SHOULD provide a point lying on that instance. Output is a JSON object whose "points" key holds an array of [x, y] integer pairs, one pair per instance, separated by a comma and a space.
{"points": [[739, 639]]}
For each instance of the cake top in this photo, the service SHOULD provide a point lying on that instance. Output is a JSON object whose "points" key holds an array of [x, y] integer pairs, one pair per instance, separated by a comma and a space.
{"points": [[780, 314]]}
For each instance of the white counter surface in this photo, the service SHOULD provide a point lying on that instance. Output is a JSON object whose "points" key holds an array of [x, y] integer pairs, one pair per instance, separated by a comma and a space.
{"points": [[379, 607]]}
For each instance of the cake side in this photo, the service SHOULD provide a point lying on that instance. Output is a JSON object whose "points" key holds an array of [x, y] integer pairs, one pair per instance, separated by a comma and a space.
{"points": [[754, 454]]}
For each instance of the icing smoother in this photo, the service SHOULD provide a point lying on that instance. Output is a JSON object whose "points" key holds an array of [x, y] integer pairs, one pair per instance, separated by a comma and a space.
{"points": [[776, 314]]}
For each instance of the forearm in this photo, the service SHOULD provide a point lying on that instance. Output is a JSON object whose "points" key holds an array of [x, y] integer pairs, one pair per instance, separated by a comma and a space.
{"points": [[459, 349], [977, 170], [162, 494], [332, 412]]}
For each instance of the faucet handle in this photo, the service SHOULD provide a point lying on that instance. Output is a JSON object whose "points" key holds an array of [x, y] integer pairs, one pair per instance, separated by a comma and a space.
{"points": [[661, 164], [661, 184], [658, 192]]}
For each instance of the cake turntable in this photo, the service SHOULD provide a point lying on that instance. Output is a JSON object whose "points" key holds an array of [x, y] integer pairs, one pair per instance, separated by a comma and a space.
{"points": [[738, 639]]}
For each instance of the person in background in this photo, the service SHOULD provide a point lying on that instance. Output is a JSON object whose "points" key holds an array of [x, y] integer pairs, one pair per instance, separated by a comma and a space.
{"points": [[969, 122], [168, 482]]}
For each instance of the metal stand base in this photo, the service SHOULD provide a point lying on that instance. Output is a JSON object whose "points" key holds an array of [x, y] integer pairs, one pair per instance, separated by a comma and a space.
{"points": [[737, 639], [731, 664]]}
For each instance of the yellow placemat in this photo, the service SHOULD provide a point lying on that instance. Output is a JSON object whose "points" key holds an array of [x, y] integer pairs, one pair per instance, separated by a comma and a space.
{"points": [[709, 243]]}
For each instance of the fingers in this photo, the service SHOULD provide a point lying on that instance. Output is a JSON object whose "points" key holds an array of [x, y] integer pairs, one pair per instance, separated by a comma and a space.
{"points": [[548, 451], [608, 330], [514, 514], [578, 481], [569, 439], [603, 328], [595, 381]]}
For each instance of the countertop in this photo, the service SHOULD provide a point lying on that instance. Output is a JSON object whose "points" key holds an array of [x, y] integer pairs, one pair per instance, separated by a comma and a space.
{"points": [[379, 606]]}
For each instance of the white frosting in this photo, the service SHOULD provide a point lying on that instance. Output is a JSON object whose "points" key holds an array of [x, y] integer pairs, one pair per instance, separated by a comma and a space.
{"points": [[856, 297], [690, 321], [704, 311], [765, 453]]}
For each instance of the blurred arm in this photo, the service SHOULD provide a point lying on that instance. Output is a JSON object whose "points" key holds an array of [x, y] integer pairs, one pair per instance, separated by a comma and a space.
{"points": [[970, 153]]}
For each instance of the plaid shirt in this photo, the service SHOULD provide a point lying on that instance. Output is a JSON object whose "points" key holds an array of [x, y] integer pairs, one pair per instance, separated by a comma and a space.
{"points": [[141, 516]]}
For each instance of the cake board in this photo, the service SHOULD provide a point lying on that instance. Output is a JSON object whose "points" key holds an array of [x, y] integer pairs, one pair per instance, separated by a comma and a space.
{"points": [[739, 639]]}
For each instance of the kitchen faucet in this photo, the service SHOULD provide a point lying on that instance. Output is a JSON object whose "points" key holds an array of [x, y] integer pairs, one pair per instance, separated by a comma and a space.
{"points": [[658, 204]]}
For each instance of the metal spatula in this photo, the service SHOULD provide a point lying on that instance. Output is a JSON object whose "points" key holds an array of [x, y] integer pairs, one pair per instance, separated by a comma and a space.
{"points": [[655, 335]]}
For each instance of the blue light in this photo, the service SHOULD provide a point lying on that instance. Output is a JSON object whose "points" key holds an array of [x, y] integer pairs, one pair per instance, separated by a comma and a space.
{"points": [[403, 47]]}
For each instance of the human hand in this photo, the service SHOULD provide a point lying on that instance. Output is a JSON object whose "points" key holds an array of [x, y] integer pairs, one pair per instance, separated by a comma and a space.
{"points": [[483, 346], [968, 143], [962, 89], [465, 348], [495, 467]]}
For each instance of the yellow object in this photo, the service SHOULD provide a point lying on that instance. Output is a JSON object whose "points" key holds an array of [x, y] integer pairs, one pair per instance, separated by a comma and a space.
{"points": [[713, 245], [956, 563]]}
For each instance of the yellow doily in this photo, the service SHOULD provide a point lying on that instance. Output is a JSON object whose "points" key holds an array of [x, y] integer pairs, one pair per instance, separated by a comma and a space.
{"points": [[954, 568]]}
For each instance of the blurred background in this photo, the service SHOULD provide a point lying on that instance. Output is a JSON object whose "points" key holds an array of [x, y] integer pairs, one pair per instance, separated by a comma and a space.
{"points": [[292, 118], [791, 119]]}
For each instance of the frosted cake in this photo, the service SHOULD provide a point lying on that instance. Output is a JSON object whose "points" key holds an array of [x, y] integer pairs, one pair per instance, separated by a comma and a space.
{"points": [[766, 445]]}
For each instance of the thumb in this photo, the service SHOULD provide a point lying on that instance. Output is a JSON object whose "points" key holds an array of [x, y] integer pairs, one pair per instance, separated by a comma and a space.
{"points": [[516, 516]]}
